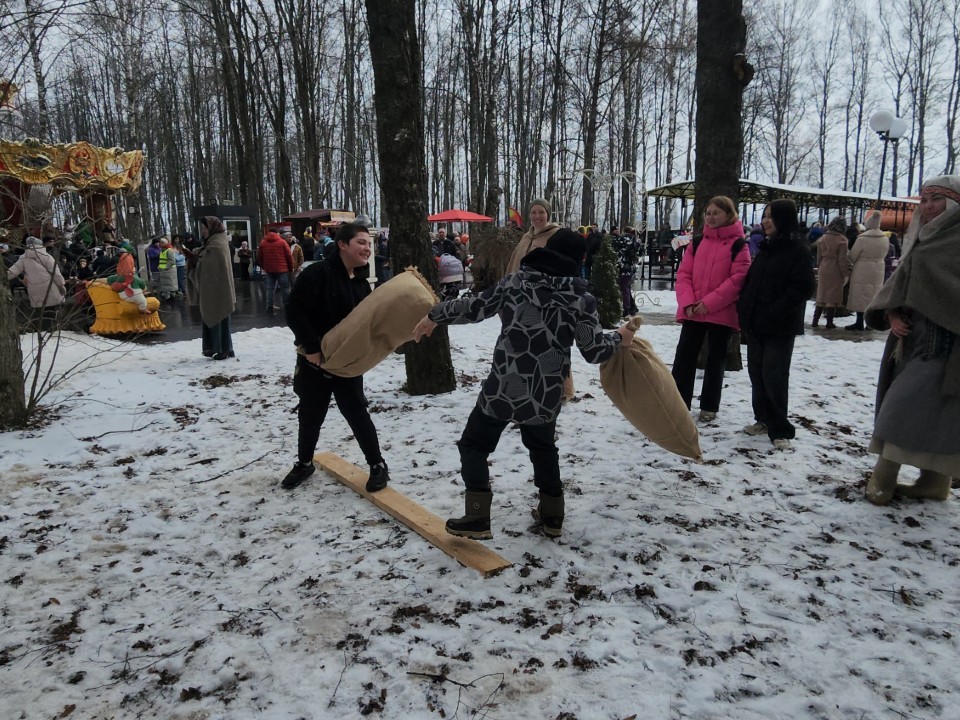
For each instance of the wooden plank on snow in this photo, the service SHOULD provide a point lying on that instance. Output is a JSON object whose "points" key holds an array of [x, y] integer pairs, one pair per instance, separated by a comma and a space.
{"points": [[423, 522]]}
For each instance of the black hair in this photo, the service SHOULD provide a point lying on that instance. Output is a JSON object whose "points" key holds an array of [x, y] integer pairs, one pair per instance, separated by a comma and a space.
{"points": [[348, 231], [783, 212]]}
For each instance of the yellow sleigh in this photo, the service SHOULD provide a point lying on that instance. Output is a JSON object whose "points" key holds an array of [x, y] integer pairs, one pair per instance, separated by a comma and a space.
{"points": [[119, 317]]}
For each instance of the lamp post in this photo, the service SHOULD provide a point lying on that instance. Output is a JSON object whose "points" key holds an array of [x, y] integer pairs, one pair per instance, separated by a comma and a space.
{"points": [[889, 128]]}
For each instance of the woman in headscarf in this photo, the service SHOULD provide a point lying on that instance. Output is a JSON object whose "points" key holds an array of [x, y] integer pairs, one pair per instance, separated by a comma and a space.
{"points": [[833, 270], [918, 390], [214, 281]]}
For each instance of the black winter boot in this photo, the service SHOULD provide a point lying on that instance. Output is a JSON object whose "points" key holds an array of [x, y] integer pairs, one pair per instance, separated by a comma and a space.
{"points": [[475, 522], [549, 515], [858, 324], [817, 312], [829, 313]]}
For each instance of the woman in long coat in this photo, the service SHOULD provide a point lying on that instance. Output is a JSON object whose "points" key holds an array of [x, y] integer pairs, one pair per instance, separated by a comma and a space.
{"points": [[214, 281], [779, 284], [833, 270], [918, 390], [868, 257]]}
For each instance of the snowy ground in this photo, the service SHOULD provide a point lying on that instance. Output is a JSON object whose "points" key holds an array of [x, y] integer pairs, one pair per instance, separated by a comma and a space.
{"points": [[151, 567]]}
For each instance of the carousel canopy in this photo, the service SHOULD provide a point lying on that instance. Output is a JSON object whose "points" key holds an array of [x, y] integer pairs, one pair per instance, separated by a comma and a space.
{"points": [[77, 166]]}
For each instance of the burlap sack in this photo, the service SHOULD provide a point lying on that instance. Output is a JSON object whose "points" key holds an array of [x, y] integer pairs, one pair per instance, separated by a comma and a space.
{"points": [[642, 388], [381, 323]]}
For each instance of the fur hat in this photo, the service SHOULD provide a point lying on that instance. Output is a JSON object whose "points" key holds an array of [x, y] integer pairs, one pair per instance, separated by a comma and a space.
{"points": [[873, 221], [32, 241], [542, 203]]}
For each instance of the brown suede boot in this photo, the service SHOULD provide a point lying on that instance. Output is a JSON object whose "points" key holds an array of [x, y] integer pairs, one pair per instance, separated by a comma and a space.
{"points": [[883, 482], [929, 486]]}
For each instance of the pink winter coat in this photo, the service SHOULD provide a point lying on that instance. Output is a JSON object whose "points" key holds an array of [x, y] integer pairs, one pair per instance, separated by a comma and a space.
{"points": [[711, 276]]}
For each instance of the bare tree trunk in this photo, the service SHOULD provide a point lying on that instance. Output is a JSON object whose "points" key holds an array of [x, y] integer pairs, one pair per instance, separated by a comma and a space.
{"points": [[722, 74], [400, 141], [825, 58], [953, 97], [556, 114], [13, 407], [34, 37], [590, 115]]}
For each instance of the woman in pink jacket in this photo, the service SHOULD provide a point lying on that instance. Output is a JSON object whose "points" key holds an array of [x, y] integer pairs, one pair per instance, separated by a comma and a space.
{"points": [[709, 282]]}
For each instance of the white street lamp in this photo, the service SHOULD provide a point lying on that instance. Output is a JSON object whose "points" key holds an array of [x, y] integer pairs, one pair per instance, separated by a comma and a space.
{"points": [[888, 128]]}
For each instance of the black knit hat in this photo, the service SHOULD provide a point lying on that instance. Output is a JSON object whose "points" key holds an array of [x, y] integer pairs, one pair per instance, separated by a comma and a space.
{"points": [[569, 244]]}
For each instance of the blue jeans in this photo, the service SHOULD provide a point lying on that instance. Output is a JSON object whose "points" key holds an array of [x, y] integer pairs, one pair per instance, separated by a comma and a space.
{"points": [[217, 339], [277, 282]]}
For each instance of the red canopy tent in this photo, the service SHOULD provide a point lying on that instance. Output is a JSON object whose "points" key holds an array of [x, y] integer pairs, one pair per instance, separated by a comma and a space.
{"points": [[458, 216]]}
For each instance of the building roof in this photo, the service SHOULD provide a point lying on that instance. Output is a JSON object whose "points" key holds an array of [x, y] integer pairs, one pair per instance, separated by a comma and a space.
{"points": [[757, 192]]}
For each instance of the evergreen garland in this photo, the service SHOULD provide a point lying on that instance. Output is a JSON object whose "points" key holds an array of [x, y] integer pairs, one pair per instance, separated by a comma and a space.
{"points": [[604, 286]]}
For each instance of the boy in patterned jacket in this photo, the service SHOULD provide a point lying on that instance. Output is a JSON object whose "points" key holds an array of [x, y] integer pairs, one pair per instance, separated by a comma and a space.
{"points": [[545, 308]]}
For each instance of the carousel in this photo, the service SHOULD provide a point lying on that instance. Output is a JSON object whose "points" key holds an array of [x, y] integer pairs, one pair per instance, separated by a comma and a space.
{"points": [[34, 174]]}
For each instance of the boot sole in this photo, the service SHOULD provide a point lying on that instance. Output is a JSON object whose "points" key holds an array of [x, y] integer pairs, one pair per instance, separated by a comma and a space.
{"points": [[543, 529], [472, 534]]}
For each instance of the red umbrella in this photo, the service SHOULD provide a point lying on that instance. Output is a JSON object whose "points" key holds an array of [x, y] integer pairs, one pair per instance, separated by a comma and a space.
{"points": [[458, 216]]}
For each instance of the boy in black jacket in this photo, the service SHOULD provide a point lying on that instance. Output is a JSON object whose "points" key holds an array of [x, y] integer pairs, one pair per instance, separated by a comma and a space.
{"points": [[324, 294]]}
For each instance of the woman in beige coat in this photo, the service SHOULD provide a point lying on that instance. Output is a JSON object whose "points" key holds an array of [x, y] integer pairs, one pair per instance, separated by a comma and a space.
{"points": [[868, 256], [541, 230], [43, 280], [833, 270]]}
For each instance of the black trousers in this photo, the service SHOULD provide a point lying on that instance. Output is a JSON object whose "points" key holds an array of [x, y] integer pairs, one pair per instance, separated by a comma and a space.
{"points": [[692, 334], [768, 362], [480, 438], [315, 387]]}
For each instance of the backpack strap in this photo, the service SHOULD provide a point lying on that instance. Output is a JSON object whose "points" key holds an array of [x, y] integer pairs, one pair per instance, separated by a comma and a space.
{"points": [[735, 249]]}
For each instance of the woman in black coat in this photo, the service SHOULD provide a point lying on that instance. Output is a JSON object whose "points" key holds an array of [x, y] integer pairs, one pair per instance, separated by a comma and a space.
{"points": [[771, 308]]}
